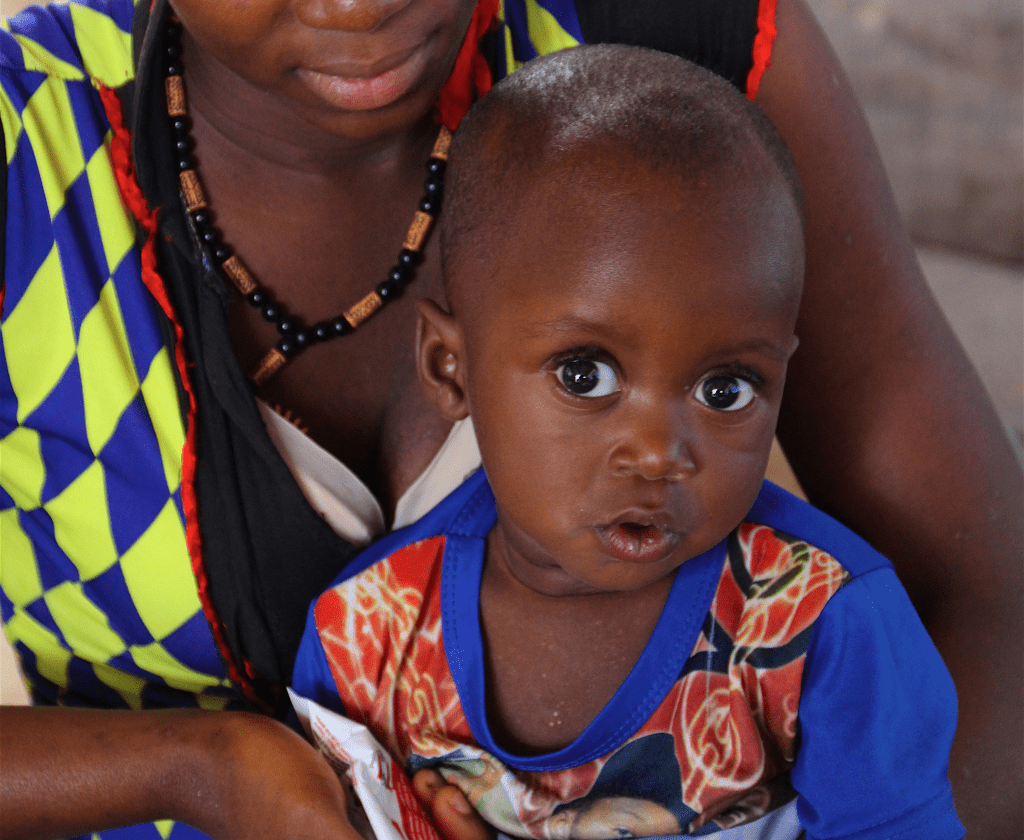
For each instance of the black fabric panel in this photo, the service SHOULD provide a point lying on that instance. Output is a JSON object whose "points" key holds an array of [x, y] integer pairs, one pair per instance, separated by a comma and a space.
{"points": [[267, 553], [716, 34]]}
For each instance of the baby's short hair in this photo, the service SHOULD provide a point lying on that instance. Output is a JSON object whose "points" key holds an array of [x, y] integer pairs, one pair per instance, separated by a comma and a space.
{"points": [[660, 111]]}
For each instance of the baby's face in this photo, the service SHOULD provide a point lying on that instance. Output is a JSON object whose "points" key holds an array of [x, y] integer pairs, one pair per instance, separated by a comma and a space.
{"points": [[625, 370]]}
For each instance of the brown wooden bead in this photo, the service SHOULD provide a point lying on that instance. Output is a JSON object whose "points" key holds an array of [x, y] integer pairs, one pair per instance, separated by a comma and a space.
{"points": [[239, 274], [441, 144], [363, 309], [268, 366], [174, 88], [192, 190], [417, 231]]}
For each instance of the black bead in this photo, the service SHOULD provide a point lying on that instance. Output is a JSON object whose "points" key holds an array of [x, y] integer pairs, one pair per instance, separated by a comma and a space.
{"points": [[257, 297], [211, 238], [434, 185], [270, 312], [173, 48], [430, 204], [221, 254], [400, 275], [181, 126], [184, 165], [301, 339], [408, 258], [285, 325], [436, 166], [323, 331], [202, 228], [388, 290], [341, 326], [172, 69], [201, 218], [182, 146], [286, 347]]}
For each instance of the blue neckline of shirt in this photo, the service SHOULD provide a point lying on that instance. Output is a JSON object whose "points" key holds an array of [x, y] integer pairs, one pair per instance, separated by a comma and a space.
{"points": [[643, 690]]}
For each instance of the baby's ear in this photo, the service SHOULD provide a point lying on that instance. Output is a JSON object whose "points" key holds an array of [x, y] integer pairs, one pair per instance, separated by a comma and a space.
{"points": [[439, 360]]}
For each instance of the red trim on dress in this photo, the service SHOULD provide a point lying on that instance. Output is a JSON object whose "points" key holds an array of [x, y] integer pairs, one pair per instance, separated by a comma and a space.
{"points": [[131, 193], [764, 40], [471, 76]]}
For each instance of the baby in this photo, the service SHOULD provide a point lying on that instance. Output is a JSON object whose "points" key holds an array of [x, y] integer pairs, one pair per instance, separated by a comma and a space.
{"points": [[616, 627]]}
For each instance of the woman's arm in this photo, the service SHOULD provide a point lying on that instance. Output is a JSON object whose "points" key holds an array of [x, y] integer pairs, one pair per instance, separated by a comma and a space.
{"points": [[232, 775], [888, 427]]}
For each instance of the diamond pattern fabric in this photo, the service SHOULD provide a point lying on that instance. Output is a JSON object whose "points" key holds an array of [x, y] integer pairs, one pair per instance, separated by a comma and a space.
{"points": [[98, 594]]}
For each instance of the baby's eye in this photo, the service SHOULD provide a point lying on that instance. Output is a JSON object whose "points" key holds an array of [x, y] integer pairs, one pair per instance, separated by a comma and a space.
{"points": [[587, 378], [725, 393]]}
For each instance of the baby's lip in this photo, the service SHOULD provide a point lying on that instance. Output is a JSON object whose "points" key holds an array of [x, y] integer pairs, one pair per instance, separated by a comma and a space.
{"points": [[638, 536]]}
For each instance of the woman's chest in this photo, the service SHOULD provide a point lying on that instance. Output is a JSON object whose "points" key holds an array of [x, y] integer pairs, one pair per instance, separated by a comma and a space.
{"points": [[356, 395]]}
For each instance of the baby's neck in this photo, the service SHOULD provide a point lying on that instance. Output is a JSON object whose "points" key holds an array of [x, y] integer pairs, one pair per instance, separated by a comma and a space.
{"points": [[553, 662]]}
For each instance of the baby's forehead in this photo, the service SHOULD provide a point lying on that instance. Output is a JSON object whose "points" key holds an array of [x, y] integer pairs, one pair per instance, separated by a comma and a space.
{"points": [[565, 145], [593, 223]]}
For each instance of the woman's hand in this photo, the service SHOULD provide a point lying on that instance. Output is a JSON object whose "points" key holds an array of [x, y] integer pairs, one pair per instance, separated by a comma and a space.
{"points": [[232, 775], [453, 816]]}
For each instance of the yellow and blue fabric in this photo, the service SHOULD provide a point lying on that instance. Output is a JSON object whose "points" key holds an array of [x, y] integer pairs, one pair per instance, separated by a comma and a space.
{"points": [[96, 587], [533, 28]]}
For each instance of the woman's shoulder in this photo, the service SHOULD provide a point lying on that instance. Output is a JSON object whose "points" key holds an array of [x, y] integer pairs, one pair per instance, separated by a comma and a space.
{"points": [[89, 39]]}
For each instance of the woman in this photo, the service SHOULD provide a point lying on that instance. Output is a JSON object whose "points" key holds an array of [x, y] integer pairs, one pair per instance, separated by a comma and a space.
{"points": [[136, 462]]}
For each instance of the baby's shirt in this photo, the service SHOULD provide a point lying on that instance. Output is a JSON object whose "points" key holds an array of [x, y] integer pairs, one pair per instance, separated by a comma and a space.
{"points": [[787, 661]]}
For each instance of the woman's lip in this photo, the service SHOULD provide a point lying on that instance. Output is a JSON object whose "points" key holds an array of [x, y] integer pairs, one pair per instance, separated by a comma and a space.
{"points": [[637, 542], [346, 89]]}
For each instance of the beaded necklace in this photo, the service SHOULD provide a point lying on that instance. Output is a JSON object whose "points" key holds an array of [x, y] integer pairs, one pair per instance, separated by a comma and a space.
{"points": [[294, 336]]}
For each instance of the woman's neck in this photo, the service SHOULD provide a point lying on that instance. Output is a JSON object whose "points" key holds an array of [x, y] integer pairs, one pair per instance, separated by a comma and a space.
{"points": [[319, 218]]}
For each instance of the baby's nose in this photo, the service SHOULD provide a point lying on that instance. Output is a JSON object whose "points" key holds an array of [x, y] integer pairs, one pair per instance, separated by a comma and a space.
{"points": [[655, 445]]}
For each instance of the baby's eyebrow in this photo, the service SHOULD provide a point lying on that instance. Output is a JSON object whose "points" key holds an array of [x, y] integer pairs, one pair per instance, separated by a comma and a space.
{"points": [[766, 347], [589, 330], [571, 324]]}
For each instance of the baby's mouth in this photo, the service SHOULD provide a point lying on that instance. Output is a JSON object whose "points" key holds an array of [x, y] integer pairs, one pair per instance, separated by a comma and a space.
{"points": [[638, 542]]}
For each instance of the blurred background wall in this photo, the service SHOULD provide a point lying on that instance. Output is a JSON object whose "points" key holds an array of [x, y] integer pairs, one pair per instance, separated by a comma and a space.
{"points": [[941, 84]]}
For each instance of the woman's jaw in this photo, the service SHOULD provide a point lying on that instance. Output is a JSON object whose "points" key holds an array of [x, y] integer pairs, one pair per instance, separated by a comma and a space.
{"points": [[270, 73]]}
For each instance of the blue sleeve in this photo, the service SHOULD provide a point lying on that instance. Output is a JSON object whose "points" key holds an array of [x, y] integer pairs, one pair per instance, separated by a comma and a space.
{"points": [[311, 677], [877, 716]]}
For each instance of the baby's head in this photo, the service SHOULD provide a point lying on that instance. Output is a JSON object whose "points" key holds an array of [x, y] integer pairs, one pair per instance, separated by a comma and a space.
{"points": [[623, 256]]}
